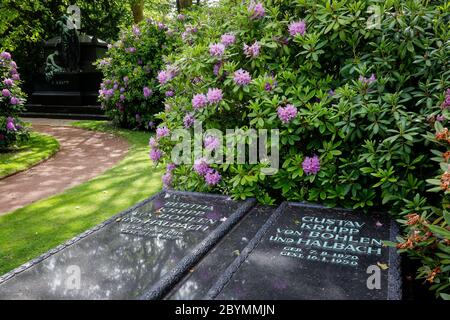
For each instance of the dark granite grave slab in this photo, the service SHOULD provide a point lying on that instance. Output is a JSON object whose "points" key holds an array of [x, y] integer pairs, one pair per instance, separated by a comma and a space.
{"points": [[140, 253], [293, 257], [198, 281]]}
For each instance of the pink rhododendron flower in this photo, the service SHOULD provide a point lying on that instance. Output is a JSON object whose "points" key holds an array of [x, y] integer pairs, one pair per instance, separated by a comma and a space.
{"points": [[446, 103], [212, 177], [15, 77], [170, 93], [256, 10], [6, 93], [211, 143], [14, 101], [287, 113], [217, 67], [201, 166], [10, 126], [162, 132], [367, 80], [188, 121], [170, 167], [214, 95], [167, 179], [8, 82], [252, 51], [227, 39], [163, 77], [5, 55], [153, 142], [136, 30], [199, 101], [311, 165], [155, 155], [242, 77], [298, 27], [216, 49], [147, 92]]}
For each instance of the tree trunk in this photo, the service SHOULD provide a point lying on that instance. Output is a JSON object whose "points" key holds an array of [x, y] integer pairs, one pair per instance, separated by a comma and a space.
{"points": [[183, 4], [137, 7]]}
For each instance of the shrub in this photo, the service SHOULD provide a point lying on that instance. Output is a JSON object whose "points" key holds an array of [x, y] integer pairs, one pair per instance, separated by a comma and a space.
{"points": [[12, 101], [129, 92], [427, 235], [354, 97], [353, 104]]}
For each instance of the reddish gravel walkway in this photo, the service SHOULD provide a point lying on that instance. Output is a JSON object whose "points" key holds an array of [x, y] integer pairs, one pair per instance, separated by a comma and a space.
{"points": [[82, 156]]}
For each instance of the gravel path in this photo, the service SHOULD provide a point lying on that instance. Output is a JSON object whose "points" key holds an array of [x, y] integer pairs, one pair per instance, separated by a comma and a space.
{"points": [[82, 156]]}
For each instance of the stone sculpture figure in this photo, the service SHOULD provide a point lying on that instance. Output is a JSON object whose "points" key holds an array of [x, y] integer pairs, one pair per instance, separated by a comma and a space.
{"points": [[51, 65], [70, 44]]}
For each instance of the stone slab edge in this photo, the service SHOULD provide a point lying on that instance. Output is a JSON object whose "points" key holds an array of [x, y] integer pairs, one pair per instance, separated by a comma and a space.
{"points": [[171, 278]]}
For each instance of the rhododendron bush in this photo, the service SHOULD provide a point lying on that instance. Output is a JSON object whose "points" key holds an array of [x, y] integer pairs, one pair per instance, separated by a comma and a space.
{"points": [[352, 103], [12, 101], [129, 93]]}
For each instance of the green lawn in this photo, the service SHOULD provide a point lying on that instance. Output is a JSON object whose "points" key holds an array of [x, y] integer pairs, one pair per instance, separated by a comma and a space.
{"points": [[37, 149], [34, 229]]}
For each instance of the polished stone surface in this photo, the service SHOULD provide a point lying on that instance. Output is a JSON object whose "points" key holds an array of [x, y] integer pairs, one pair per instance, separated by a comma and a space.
{"points": [[311, 252], [127, 255], [197, 282]]}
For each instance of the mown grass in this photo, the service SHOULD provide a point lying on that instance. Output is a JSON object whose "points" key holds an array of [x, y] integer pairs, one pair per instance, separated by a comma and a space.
{"points": [[37, 149], [34, 229]]}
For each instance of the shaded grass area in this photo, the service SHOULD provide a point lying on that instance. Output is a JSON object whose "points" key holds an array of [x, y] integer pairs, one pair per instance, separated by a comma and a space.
{"points": [[34, 229], [37, 149]]}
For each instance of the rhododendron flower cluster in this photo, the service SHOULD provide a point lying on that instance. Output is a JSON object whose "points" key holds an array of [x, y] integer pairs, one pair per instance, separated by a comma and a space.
{"points": [[367, 81], [253, 50], [162, 132], [211, 142], [256, 10], [296, 28], [188, 121], [214, 95], [242, 77], [216, 49], [211, 176], [287, 113], [12, 100], [227, 39], [311, 165], [155, 152], [199, 101], [446, 103]]}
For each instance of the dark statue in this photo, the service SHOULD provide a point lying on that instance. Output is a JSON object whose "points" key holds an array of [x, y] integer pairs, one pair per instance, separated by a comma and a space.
{"points": [[67, 58]]}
